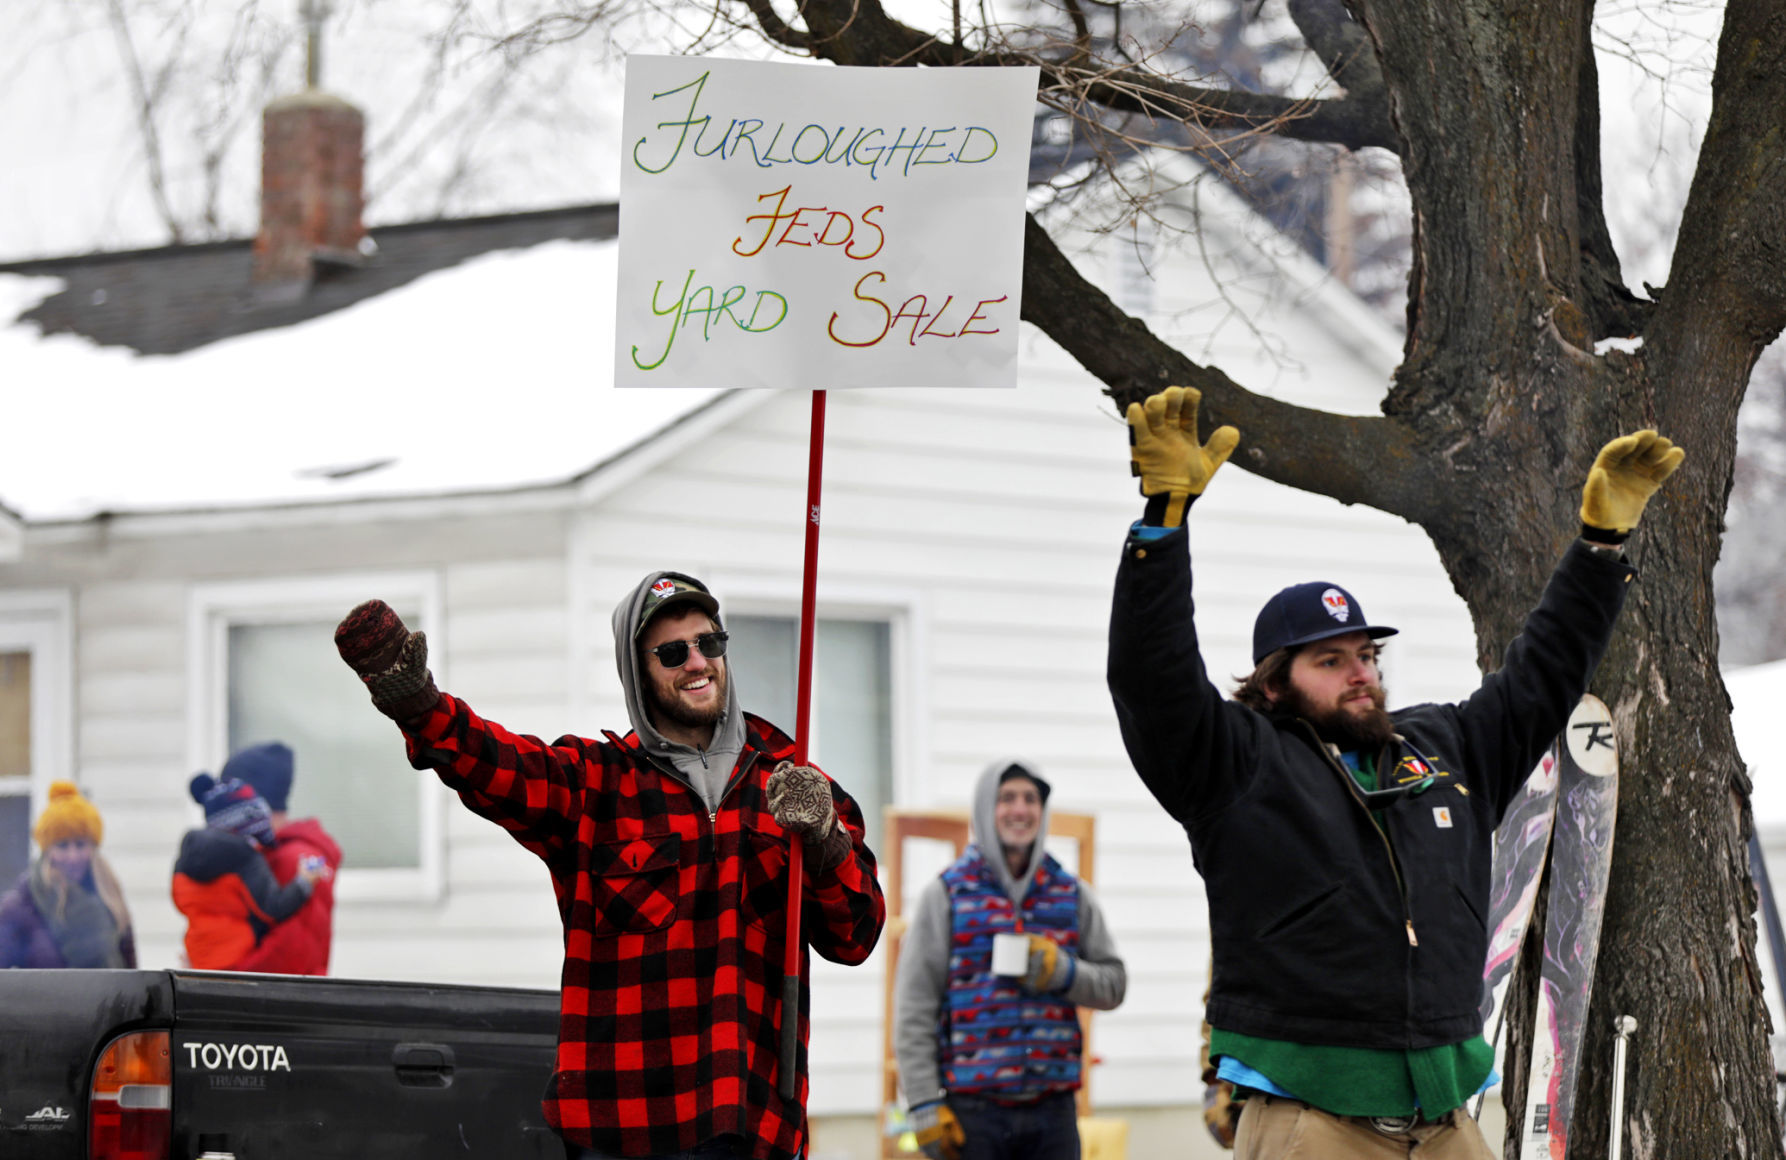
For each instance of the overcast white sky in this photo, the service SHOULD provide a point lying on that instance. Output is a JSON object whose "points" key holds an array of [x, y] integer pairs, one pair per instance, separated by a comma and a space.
{"points": [[494, 139]]}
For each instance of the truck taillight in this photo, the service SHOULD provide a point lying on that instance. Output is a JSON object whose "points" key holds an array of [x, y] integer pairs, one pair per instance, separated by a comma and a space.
{"points": [[130, 1109]]}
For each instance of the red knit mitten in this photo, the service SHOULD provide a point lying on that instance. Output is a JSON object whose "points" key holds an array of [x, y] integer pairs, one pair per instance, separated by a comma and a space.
{"points": [[390, 659]]}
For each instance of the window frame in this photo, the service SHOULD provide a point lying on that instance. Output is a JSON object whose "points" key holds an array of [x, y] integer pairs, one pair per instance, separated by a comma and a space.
{"points": [[40, 621], [902, 611], [213, 609]]}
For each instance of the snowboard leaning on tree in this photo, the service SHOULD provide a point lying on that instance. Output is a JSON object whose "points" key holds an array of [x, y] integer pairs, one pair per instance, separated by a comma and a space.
{"points": [[1348, 963]]}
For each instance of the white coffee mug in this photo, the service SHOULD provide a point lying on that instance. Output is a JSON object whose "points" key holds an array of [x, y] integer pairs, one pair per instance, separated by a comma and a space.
{"points": [[1010, 955]]}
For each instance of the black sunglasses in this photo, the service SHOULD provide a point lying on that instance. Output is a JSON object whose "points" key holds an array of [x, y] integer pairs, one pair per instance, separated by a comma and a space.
{"points": [[673, 654]]}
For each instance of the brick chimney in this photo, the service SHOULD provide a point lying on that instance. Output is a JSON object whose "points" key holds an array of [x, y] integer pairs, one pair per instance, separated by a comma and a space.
{"points": [[312, 170]]}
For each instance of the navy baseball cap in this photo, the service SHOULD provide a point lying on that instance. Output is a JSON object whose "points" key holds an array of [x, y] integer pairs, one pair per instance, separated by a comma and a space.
{"points": [[1305, 613]]}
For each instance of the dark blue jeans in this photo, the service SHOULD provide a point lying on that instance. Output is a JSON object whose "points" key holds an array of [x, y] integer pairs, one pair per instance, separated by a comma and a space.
{"points": [[1045, 1130]]}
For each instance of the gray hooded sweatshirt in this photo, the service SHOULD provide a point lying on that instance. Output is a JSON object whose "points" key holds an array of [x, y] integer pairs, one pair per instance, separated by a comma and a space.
{"points": [[706, 771], [923, 978]]}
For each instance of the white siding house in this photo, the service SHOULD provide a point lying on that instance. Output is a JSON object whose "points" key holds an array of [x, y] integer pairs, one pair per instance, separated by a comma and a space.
{"points": [[173, 589]]}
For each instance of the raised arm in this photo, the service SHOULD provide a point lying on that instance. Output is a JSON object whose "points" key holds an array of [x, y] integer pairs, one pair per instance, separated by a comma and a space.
{"points": [[519, 782], [1180, 734], [1520, 708]]}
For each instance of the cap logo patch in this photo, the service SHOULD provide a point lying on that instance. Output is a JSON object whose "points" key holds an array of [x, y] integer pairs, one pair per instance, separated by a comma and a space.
{"points": [[1334, 601], [663, 589]]}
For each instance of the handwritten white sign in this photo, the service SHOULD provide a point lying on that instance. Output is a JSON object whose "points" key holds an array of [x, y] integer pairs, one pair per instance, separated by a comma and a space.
{"points": [[805, 226]]}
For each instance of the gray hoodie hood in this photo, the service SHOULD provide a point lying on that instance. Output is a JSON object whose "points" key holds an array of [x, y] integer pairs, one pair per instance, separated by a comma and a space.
{"points": [[707, 772], [985, 830]]}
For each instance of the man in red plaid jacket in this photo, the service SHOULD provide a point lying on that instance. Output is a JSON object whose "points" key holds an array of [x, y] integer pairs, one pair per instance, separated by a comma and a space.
{"points": [[668, 849]]}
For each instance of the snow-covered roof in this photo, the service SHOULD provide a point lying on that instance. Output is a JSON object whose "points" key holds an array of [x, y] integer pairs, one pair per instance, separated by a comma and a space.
{"points": [[496, 373], [1756, 694]]}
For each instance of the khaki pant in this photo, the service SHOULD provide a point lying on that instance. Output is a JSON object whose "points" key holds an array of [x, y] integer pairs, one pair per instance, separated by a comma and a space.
{"points": [[1278, 1129]]}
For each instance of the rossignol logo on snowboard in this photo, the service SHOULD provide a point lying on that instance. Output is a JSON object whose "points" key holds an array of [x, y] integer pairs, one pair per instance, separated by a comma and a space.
{"points": [[1591, 740]]}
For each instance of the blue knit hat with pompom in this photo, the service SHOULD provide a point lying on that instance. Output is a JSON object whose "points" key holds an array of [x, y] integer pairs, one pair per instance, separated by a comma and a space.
{"points": [[234, 806]]}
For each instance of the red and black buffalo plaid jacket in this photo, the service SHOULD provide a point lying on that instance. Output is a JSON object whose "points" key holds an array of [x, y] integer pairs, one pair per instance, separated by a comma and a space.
{"points": [[674, 924]]}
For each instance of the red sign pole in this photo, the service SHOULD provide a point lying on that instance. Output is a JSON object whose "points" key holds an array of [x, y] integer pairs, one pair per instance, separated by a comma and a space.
{"points": [[790, 968]]}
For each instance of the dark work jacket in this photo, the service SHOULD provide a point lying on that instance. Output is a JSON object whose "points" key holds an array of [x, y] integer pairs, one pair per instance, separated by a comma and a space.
{"points": [[1323, 933]]}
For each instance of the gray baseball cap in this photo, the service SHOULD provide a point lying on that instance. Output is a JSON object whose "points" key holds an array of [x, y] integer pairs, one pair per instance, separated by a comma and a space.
{"points": [[672, 590]]}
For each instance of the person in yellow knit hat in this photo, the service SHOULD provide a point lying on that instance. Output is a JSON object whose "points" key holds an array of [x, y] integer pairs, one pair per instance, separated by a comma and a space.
{"points": [[67, 909]]}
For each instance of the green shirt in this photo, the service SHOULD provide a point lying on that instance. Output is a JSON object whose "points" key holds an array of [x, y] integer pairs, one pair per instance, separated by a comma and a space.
{"points": [[1365, 1081]]}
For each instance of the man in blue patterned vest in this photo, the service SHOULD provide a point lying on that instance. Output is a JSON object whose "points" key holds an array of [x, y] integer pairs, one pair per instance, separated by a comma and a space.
{"points": [[989, 1061]]}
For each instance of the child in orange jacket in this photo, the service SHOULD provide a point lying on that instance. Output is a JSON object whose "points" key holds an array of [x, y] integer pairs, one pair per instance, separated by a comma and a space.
{"points": [[222, 882]]}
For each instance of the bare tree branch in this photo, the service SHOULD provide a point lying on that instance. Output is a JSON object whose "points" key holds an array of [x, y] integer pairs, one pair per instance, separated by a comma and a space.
{"points": [[146, 98], [1354, 459], [1736, 293], [1341, 44]]}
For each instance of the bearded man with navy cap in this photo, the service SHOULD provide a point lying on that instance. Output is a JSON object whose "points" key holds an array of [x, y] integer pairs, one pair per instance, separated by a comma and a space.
{"points": [[1345, 848]]}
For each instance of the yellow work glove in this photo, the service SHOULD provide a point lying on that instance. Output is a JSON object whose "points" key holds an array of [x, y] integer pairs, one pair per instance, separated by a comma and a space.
{"points": [[1163, 450], [938, 1132], [1050, 968], [1624, 476]]}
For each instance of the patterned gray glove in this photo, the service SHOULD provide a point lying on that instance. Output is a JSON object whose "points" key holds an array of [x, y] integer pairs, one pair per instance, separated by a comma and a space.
{"points": [[800, 801]]}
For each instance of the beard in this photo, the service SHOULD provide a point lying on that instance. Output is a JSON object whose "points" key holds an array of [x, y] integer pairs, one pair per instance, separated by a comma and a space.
{"points": [[1347, 728], [665, 704]]}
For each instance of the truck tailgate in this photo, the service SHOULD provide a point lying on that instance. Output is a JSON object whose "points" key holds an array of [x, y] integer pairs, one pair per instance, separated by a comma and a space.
{"points": [[271, 1066]]}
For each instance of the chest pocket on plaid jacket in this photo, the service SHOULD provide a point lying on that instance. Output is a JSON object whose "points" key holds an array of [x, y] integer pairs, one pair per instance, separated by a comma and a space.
{"points": [[634, 884], [765, 880]]}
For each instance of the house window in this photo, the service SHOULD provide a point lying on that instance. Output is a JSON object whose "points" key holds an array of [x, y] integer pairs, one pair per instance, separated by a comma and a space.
{"points": [[15, 765], [852, 699], [35, 702], [267, 670]]}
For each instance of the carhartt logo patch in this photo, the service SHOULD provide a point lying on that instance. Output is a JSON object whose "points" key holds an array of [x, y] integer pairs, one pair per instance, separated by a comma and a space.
{"points": [[1442, 817], [1334, 601]]}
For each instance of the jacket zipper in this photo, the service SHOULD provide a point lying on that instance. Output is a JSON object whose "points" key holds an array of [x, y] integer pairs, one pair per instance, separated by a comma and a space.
{"points": [[746, 759], [1394, 865]]}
